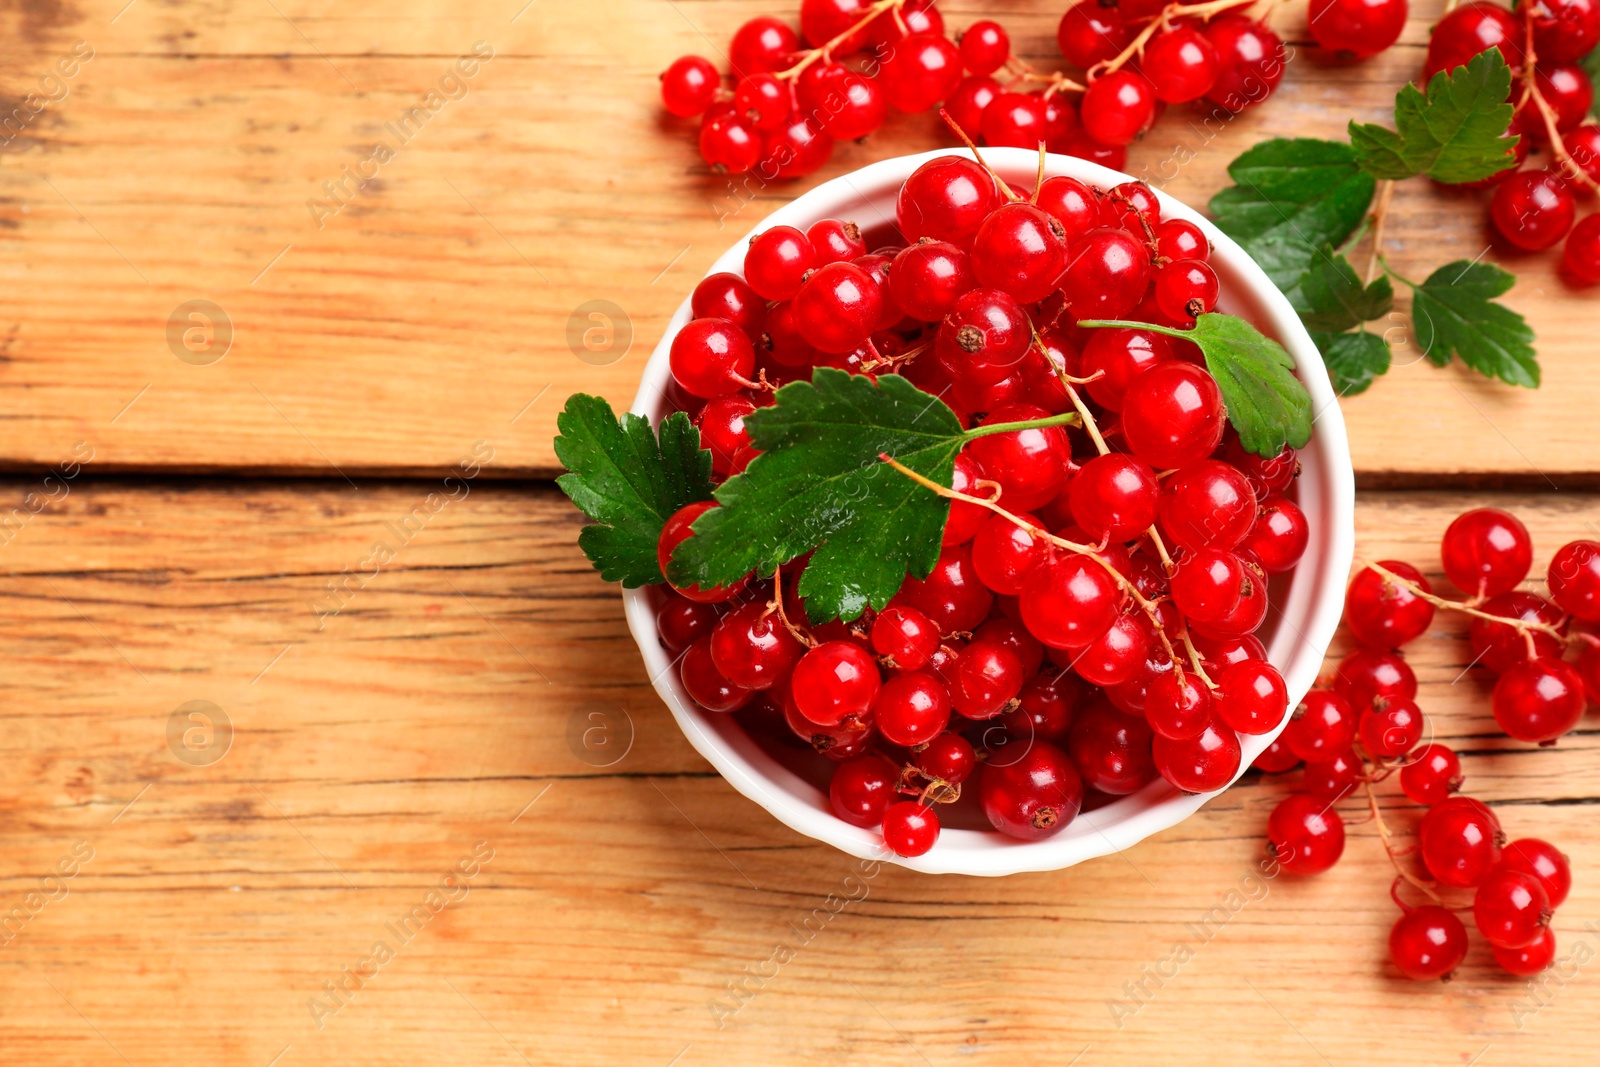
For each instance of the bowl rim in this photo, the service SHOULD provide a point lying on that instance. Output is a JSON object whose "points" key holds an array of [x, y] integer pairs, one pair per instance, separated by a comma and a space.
{"points": [[771, 785]]}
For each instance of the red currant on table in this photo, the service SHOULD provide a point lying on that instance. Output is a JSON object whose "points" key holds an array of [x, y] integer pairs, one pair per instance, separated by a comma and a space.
{"points": [[862, 788], [1090, 33], [1014, 120], [1460, 841], [1118, 107], [1306, 835], [1533, 209], [1251, 60], [1565, 31], [1333, 779], [922, 70], [1323, 726], [1580, 260], [1472, 28], [985, 47], [1357, 28], [730, 143], [970, 100], [1530, 959], [1544, 861], [763, 100], [1172, 415], [1276, 759], [1201, 763], [1431, 774], [689, 86], [762, 46], [835, 681], [1511, 908], [823, 20], [1540, 700], [1182, 66], [910, 828], [1500, 646], [1384, 614], [1428, 943], [1032, 796], [1391, 730], [1574, 579], [1569, 93], [1367, 676]]}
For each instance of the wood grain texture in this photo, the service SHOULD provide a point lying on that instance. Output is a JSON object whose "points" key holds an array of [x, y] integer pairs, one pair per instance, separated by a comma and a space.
{"points": [[372, 756], [386, 337]]}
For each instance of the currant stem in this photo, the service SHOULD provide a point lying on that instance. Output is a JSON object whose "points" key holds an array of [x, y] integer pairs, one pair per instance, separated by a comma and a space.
{"points": [[1530, 91], [1195, 662], [776, 604], [1379, 214], [1388, 844], [1160, 21], [1520, 625], [1067, 419], [811, 56]]}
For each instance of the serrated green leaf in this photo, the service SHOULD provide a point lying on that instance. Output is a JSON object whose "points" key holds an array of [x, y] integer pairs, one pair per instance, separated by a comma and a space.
{"points": [[628, 481], [1454, 311], [819, 484], [1353, 360], [1266, 403], [1330, 297], [1292, 197], [1454, 134]]}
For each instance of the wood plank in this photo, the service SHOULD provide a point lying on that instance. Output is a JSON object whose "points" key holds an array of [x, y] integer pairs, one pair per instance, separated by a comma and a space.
{"points": [[433, 310], [370, 758]]}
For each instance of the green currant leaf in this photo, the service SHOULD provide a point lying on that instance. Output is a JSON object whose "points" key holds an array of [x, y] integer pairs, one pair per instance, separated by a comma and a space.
{"points": [[1290, 198], [628, 481], [1454, 134], [1354, 360], [1266, 403], [1454, 311], [819, 484], [1331, 297]]}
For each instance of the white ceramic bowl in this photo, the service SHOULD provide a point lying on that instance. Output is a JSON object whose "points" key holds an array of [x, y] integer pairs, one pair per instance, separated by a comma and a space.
{"points": [[1297, 634]]}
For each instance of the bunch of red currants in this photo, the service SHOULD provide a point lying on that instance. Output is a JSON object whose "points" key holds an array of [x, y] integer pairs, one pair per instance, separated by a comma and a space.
{"points": [[1367, 727], [1543, 42], [1089, 624]]}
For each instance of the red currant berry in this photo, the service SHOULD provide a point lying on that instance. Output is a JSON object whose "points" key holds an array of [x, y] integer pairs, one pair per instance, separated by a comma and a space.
{"points": [[1275, 759], [1486, 551], [1030, 464], [852, 106], [1003, 553], [1383, 614], [1246, 616], [922, 70], [1268, 476], [984, 337], [905, 635], [1333, 779], [928, 278], [1202, 763], [838, 307], [689, 86], [1113, 357], [1020, 250], [1069, 602], [948, 757], [762, 46], [1045, 708], [1090, 34], [1367, 676], [752, 648], [1431, 774], [1208, 584], [722, 432], [1178, 707], [1533, 209], [730, 144], [798, 149], [1564, 31], [971, 99], [1251, 697], [1032, 796], [1182, 66], [681, 622], [1182, 239], [835, 241], [965, 518], [1574, 578], [1014, 120], [1305, 834], [846, 741], [1428, 943], [764, 101], [674, 532], [1114, 496], [1117, 655], [1208, 504], [947, 199], [985, 47], [951, 595], [988, 677], [1470, 29], [1186, 289], [1107, 275], [1226, 651], [1580, 260], [1356, 29], [912, 708], [1570, 94], [1062, 122], [1322, 726], [1460, 840], [1172, 415], [862, 789], [916, 16], [728, 296], [835, 681], [1499, 646], [1545, 862], [1540, 700], [711, 357], [1073, 204], [1250, 61], [1529, 960], [1391, 730], [1511, 908], [910, 828], [1118, 107], [1111, 750], [823, 20], [705, 684], [1279, 536]]}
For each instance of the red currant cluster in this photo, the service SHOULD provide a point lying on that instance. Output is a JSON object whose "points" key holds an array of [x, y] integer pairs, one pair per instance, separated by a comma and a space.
{"points": [[1367, 727], [1543, 41], [1103, 618]]}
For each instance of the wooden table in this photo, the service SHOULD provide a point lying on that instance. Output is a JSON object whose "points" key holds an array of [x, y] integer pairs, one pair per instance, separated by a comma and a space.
{"points": [[402, 772]]}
